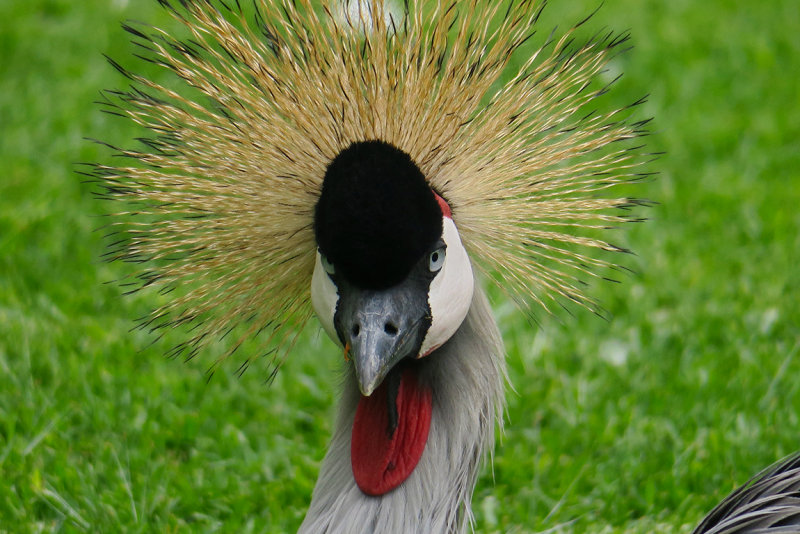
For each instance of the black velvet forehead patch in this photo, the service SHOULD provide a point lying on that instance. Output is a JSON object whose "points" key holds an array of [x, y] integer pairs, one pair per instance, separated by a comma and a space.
{"points": [[376, 216]]}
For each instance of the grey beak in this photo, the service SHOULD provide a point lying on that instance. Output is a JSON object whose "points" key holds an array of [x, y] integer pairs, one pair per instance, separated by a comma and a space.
{"points": [[381, 328], [375, 348]]}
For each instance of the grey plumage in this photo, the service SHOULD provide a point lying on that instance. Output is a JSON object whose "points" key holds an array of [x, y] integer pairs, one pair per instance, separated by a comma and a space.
{"points": [[222, 200], [769, 503], [468, 375]]}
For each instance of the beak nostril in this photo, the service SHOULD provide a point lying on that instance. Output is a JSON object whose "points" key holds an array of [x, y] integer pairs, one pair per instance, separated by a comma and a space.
{"points": [[356, 330], [390, 329]]}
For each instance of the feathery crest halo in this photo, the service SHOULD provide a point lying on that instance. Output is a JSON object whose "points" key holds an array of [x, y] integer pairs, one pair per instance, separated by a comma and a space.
{"points": [[220, 199]]}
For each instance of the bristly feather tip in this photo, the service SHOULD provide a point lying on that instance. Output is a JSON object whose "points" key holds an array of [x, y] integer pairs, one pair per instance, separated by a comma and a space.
{"points": [[216, 205]]}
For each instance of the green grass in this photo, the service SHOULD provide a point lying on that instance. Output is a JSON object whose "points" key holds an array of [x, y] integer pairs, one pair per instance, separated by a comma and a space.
{"points": [[638, 424]]}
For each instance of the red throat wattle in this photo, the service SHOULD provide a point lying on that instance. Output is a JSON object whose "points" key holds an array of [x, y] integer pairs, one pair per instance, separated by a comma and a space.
{"points": [[383, 454]]}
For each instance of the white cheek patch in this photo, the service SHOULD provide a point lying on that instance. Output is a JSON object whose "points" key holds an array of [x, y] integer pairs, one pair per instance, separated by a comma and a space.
{"points": [[450, 294], [324, 297]]}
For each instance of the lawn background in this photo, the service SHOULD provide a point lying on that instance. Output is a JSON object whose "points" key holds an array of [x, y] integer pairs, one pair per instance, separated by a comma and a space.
{"points": [[638, 424]]}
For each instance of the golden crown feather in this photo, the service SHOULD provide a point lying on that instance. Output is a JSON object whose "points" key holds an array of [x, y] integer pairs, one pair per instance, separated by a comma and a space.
{"points": [[219, 200]]}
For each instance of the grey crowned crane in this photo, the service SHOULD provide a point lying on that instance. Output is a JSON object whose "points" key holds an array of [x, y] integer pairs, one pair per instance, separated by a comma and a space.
{"points": [[376, 164]]}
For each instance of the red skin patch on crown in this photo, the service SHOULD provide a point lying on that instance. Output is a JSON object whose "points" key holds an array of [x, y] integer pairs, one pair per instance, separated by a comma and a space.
{"points": [[383, 458], [444, 206]]}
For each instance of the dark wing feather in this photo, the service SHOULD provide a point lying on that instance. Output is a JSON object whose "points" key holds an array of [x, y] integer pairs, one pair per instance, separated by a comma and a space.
{"points": [[769, 503]]}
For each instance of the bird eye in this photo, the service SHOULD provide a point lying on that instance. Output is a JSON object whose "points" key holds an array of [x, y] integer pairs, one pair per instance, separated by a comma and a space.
{"points": [[327, 265], [436, 260]]}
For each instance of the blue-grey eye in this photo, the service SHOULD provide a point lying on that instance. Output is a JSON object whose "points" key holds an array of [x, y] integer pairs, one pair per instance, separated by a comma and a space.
{"points": [[436, 260]]}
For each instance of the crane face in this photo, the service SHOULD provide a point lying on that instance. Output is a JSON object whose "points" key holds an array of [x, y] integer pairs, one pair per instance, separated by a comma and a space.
{"points": [[392, 283]]}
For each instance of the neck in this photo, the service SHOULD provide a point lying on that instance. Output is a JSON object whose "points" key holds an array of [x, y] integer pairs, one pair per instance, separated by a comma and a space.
{"points": [[466, 376]]}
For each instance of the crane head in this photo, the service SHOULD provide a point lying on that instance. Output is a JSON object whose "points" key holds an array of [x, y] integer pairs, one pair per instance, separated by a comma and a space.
{"points": [[392, 279]]}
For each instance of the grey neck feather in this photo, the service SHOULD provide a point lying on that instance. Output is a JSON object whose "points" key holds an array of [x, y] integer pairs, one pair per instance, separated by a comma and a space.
{"points": [[467, 377]]}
